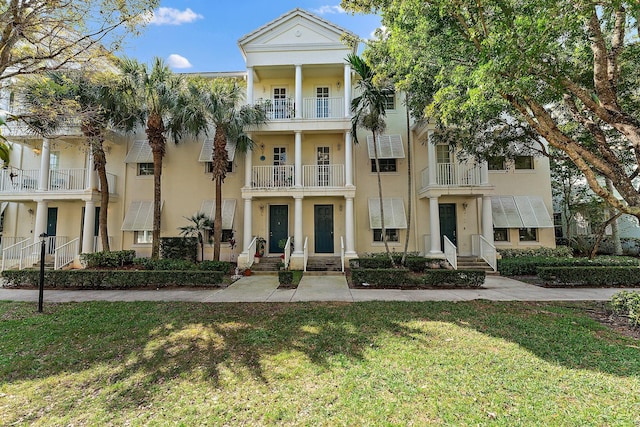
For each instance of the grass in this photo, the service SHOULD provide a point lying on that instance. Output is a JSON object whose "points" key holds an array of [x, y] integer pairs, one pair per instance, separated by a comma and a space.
{"points": [[471, 363]]}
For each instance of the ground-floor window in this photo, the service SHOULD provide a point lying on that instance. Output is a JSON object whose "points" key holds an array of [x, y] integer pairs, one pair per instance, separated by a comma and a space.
{"points": [[393, 235], [500, 234], [142, 237], [528, 234], [227, 235], [145, 169]]}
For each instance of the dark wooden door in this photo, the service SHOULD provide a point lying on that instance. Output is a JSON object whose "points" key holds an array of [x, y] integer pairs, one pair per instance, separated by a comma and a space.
{"points": [[323, 234], [278, 227], [448, 223]]}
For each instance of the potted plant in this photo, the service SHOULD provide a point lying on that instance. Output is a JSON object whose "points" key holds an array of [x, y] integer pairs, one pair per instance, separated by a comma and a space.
{"points": [[260, 242]]}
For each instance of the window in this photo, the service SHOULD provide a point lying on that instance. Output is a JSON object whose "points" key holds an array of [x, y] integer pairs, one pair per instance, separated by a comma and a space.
{"points": [[524, 162], [443, 155], [145, 169], [142, 237], [496, 163], [393, 235], [322, 102], [54, 160], [208, 167], [390, 100], [226, 236], [528, 234], [500, 234], [386, 165], [280, 103]]}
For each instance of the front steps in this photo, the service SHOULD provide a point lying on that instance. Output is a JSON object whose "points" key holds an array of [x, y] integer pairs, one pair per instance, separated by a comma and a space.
{"points": [[324, 264], [474, 263]]}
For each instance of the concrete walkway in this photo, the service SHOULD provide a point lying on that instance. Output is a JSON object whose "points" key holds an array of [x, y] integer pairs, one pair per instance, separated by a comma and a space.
{"points": [[322, 288]]}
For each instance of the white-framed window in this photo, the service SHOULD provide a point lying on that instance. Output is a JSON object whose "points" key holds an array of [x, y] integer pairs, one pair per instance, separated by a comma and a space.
{"points": [[54, 160], [145, 169], [389, 100], [528, 234], [497, 163], [500, 234], [142, 237], [386, 165], [208, 167], [523, 162], [393, 234], [280, 107], [322, 102]]}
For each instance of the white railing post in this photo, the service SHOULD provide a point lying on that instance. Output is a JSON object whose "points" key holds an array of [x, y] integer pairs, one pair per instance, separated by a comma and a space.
{"points": [[488, 253], [251, 251], [342, 253], [306, 253], [65, 253], [287, 253], [450, 252], [12, 253]]}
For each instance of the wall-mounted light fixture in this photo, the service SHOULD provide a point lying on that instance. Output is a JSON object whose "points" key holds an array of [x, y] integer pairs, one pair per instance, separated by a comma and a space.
{"points": [[261, 207], [30, 211], [338, 85], [340, 207], [464, 205]]}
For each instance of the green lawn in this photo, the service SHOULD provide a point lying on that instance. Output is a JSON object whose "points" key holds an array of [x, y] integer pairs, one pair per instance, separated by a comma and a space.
{"points": [[472, 363]]}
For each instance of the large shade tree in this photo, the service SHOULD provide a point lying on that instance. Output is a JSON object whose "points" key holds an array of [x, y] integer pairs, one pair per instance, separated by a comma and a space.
{"points": [[222, 106], [159, 101], [493, 73]]}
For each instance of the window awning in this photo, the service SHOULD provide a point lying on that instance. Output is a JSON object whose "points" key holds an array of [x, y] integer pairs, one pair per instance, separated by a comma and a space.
{"points": [[139, 153], [139, 217], [206, 154], [228, 211], [394, 216], [520, 212], [389, 147]]}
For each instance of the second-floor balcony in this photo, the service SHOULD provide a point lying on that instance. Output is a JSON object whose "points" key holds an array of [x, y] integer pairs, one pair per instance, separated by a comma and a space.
{"points": [[312, 108], [452, 175], [313, 176], [59, 180]]}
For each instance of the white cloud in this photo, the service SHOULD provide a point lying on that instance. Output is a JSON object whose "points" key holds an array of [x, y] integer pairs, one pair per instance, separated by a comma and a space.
{"points": [[171, 16], [176, 61], [327, 10]]}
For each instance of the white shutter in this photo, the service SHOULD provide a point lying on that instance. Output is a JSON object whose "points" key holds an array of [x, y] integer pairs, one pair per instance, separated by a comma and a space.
{"points": [[505, 212], [533, 212], [139, 217], [206, 153], [389, 147], [394, 215], [139, 153], [228, 211]]}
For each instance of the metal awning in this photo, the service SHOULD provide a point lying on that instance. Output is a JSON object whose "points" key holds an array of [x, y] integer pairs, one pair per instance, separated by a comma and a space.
{"points": [[139, 153], [394, 215], [228, 211], [389, 146], [520, 212]]}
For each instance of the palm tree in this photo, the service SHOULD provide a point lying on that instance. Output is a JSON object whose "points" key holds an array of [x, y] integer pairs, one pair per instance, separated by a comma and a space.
{"points": [[222, 104], [369, 113], [199, 224], [409, 180], [157, 99]]}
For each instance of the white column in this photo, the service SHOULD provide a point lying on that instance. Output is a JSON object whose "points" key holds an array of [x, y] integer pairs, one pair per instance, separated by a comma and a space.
{"points": [[43, 181], [247, 235], [487, 218], [298, 91], [92, 178], [348, 159], [484, 173], [347, 90], [297, 226], [431, 160], [42, 212], [249, 85], [350, 227], [87, 229], [298, 159], [248, 168], [434, 225]]}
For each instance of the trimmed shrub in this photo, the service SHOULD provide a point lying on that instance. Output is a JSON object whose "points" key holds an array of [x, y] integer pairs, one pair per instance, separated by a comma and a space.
{"points": [[111, 279], [395, 277], [179, 248], [453, 278], [627, 303], [221, 266], [285, 277], [559, 251], [377, 262], [107, 259], [590, 276], [528, 266], [390, 277], [420, 264]]}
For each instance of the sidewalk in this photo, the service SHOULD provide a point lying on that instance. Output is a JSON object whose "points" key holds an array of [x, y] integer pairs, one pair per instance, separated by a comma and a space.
{"points": [[322, 288]]}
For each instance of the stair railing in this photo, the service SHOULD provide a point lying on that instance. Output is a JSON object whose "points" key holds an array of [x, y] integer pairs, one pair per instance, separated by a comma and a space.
{"points": [[251, 250], [342, 253], [488, 253], [11, 254], [306, 253], [65, 254], [29, 255], [287, 253], [450, 252]]}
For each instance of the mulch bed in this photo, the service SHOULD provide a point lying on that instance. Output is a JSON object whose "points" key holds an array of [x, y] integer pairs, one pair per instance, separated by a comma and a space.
{"points": [[619, 324]]}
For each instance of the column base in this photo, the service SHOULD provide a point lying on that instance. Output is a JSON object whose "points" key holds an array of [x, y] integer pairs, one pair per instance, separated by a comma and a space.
{"points": [[243, 260], [296, 262]]}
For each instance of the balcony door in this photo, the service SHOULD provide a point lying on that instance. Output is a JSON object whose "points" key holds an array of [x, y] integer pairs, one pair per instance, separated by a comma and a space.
{"points": [[444, 170], [280, 177], [322, 102], [280, 103], [323, 161]]}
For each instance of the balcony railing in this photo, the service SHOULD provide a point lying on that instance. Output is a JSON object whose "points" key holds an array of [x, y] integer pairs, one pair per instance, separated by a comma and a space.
{"points": [[273, 176], [323, 176], [277, 109], [323, 108], [67, 179], [18, 180], [453, 175], [60, 180]]}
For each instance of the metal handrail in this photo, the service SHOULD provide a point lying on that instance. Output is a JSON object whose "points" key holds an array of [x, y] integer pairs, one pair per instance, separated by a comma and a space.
{"points": [[488, 253], [12, 253], [450, 252], [287, 253], [342, 253], [306, 253], [66, 253], [251, 250]]}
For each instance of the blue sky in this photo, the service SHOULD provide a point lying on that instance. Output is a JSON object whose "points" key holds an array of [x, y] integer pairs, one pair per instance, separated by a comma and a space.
{"points": [[202, 35]]}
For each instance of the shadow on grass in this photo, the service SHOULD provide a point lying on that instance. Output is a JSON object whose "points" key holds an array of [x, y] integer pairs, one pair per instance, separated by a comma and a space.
{"points": [[160, 341]]}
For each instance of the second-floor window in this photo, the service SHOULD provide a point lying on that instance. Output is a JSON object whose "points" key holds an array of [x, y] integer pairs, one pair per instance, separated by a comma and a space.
{"points": [[386, 165], [322, 102], [208, 167], [523, 162], [390, 100], [496, 163], [54, 160], [145, 169], [280, 103]]}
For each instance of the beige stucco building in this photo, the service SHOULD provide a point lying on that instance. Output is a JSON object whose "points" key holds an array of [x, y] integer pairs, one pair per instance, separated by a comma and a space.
{"points": [[306, 179]]}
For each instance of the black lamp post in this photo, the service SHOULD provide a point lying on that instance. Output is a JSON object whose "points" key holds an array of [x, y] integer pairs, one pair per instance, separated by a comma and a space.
{"points": [[43, 236]]}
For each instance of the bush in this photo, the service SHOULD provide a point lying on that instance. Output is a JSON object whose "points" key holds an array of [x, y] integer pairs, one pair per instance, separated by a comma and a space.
{"points": [[179, 248], [164, 264], [453, 278], [627, 303], [111, 279], [285, 277], [376, 262], [391, 277], [528, 266], [221, 266], [559, 251], [396, 277], [590, 276], [420, 264], [107, 259]]}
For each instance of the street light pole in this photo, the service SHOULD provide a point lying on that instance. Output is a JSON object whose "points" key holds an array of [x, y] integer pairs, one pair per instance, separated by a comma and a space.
{"points": [[43, 236]]}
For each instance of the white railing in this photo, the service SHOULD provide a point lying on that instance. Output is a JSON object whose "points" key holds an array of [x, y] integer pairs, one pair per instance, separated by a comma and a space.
{"points": [[287, 253], [323, 108], [65, 254], [278, 109], [306, 253], [67, 179], [450, 252], [251, 251], [453, 175], [323, 175], [342, 253], [29, 255], [97, 243], [7, 241], [11, 254], [273, 176], [18, 180], [488, 253]]}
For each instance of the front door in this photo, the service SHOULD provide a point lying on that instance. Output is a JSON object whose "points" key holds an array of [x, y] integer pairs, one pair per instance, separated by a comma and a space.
{"points": [[447, 222], [278, 228], [323, 235], [52, 225]]}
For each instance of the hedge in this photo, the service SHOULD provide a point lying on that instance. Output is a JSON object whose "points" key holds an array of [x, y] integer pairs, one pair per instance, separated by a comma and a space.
{"points": [[107, 259], [590, 276], [377, 262], [559, 251], [111, 279], [285, 277], [528, 266], [179, 248], [397, 277], [627, 303], [181, 265]]}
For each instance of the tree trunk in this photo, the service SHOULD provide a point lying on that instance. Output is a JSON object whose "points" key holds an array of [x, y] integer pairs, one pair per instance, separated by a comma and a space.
{"points": [[220, 160], [384, 230], [615, 233], [600, 235], [100, 165], [155, 135], [217, 221], [409, 183]]}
